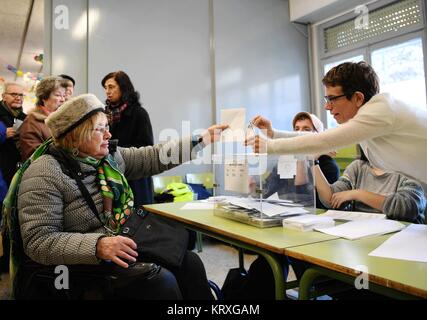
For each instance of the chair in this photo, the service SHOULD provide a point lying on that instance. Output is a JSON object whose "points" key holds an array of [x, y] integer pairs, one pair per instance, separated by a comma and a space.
{"points": [[345, 156], [160, 182]]}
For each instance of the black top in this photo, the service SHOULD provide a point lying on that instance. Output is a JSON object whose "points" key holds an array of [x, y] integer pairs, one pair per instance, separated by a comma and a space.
{"points": [[9, 154]]}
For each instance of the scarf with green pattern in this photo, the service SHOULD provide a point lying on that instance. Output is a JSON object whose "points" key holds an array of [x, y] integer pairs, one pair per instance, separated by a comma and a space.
{"points": [[116, 193]]}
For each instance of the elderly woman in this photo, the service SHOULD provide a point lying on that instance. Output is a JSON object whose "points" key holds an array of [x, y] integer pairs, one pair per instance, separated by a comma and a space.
{"points": [[50, 93], [57, 224]]}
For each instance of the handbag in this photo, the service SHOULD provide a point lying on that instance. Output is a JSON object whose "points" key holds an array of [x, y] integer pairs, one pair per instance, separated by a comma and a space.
{"points": [[159, 240]]}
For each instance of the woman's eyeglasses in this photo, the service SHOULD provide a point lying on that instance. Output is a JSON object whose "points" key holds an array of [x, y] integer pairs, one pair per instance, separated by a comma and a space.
{"points": [[102, 130]]}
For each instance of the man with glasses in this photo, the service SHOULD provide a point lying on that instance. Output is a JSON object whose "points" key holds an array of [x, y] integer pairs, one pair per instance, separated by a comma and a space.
{"points": [[10, 113], [392, 134]]}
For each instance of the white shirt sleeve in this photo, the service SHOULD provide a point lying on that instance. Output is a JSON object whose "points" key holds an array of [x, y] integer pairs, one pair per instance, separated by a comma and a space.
{"points": [[373, 119]]}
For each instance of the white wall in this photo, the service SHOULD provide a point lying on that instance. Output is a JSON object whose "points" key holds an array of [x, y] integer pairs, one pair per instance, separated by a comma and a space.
{"points": [[261, 60], [164, 45]]}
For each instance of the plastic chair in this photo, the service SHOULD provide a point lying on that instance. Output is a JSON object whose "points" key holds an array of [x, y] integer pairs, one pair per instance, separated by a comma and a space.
{"points": [[160, 182]]}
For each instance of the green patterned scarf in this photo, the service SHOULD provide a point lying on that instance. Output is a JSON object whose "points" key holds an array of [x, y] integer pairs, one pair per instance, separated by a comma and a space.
{"points": [[116, 193]]}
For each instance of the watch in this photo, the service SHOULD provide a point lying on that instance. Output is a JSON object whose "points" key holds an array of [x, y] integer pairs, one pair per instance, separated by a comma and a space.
{"points": [[316, 162]]}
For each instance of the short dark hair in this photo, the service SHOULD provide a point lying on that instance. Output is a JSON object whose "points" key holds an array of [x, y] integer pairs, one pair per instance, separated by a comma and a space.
{"points": [[353, 77], [67, 77], [129, 95]]}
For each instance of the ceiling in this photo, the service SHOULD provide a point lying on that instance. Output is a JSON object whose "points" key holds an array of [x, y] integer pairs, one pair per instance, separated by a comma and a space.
{"points": [[21, 38]]}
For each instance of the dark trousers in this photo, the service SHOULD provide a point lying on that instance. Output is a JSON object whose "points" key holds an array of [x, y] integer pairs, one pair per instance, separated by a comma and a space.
{"points": [[260, 283], [191, 277]]}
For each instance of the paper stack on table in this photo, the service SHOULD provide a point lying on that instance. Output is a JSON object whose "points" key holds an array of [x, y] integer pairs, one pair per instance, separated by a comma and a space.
{"points": [[363, 228], [352, 215], [308, 222]]}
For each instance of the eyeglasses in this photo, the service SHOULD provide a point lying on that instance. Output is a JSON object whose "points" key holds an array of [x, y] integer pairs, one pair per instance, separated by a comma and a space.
{"points": [[15, 95], [102, 130], [331, 99]]}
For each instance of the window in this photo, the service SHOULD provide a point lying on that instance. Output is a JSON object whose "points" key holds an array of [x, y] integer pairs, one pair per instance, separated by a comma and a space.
{"points": [[400, 68], [393, 44]]}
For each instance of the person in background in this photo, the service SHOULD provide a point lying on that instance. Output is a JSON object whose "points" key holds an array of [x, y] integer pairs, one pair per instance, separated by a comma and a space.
{"points": [[362, 187], [302, 122], [56, 222], [69, 89], [392, 134], [130, 124], [50, 94], [11, 114]]}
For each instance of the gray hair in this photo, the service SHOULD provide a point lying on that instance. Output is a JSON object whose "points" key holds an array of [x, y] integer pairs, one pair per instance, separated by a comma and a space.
{"points": [[10, 84], [46, 86]]}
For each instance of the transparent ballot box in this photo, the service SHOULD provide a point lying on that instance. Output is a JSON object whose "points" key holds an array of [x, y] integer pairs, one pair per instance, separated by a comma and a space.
{"points": [[262, 190]]}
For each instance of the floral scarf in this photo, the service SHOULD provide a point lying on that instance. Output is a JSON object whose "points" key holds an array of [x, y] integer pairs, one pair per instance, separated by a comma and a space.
{"points": [[116, 193], [114, 112]]}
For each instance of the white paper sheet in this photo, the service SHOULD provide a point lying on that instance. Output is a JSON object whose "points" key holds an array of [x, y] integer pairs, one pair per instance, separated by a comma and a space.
{"points": [[236, 177], [352, 215], [363, 228], [408, 244], [268, 209], [198, 206], [287, 167], [235, 118]]}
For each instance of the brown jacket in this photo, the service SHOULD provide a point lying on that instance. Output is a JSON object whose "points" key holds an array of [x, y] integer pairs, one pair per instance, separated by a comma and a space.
{"points": [[33, 132]]}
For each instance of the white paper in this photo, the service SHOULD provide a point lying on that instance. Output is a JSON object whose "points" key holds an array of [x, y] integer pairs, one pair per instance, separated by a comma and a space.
{"points": [[363, 228], [352, 215], [235, 118], [198, 206], [287, 167], [308, 222], [17, 124], [268, 209], [408, 244], [236, 177]]}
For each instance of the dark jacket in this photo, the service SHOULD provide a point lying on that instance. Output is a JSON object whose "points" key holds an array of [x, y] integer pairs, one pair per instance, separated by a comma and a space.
{"points": [[9, 154], [134, 130]]}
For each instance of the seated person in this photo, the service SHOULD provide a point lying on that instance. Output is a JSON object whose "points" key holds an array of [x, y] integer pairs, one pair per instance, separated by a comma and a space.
{"points": [[302, 122], [58, 226], [363, 187]]}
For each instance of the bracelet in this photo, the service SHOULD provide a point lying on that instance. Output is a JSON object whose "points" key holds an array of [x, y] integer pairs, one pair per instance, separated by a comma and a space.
{"points": [[316, 162]]}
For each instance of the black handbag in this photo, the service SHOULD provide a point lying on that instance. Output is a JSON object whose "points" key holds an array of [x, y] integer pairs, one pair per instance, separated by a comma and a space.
{"points": [[159, 240]]}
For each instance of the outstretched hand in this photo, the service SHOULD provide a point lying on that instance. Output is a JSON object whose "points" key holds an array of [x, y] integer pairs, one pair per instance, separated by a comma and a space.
{"points": [[213, 133], [263, 123], [259, 144]]}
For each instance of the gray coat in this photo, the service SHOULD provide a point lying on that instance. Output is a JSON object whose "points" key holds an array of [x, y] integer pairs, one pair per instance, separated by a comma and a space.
{"points": [[57, 226]]}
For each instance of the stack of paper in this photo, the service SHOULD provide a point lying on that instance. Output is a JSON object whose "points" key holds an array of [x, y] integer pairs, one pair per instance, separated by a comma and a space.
{"points": [[352, 215], [408, 244], [363, 228], [308, 222]]}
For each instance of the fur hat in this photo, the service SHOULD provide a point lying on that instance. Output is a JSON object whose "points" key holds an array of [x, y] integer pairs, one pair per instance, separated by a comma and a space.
{"points": [[317, 123], [72, 114]]}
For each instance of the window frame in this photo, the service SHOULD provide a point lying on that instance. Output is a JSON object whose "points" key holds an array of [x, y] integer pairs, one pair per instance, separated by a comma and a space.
{"points": [[364, 48]]}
